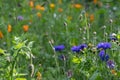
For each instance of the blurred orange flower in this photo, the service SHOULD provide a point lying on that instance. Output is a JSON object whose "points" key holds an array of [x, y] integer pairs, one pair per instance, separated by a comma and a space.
{"points": [[1, 35], [95, 1], [9, 28], [91, 17], [39, 76], [39, 14], [39, 7], [52, 5], [60, 10], [25, 28], [78, 6], [31, 4]]}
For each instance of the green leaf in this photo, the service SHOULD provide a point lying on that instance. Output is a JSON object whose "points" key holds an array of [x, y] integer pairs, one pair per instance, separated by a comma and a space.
{"points": [[95, 76], [2, 51], [20, 79]]}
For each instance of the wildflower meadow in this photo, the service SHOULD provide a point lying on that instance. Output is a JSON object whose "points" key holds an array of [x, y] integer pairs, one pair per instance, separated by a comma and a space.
{"points": [[59, 39]]}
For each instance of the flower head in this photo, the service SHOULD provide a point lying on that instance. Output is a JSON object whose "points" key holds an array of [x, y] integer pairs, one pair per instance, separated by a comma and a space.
{"points": [[9, 28], [103, 56], [39, 7], [110, 64], [31, 4], [104, 45], [52, 5], [25, 28], [59, 47], [78, 6], [1, 35], [20, 18]]}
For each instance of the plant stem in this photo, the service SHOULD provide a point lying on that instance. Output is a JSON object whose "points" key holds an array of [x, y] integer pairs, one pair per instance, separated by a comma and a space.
{"points": [[87, 29]]}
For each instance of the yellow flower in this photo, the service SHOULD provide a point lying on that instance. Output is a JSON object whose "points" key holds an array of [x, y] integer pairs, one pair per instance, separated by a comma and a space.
{"points": [[39, 14], [1, 35], [76, 60], [114, 72], [52, 5], [39, 7], [25, 28], [39, 76], [9, 28], [78, 6], [59, 1], [118, 36]]}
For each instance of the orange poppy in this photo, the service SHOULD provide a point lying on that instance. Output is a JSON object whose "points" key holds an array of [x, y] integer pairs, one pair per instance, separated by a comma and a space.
{"points": [[31, 4], [78, 6], [91, 17], [1, 35], [39, 14], [39, 7], [9, 28], [25, 28], [95, 1]]}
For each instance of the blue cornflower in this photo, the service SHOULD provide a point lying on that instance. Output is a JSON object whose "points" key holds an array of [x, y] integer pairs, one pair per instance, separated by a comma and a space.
{"points": [[110, 64], [75, 49], [78, 48], [103, 45], [59, 47], [82, 46], [20, 18], [103, 56]]}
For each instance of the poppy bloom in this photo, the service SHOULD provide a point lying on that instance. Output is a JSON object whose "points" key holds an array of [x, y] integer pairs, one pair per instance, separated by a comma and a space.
{"points": [[39, 7], [25, 28], [91, 17], [110, 64], [39, 14], [104, 45], [59, 48], [95, 1], [78, 6], [31, 4], [1, 35], [103, 56], [52, 5], [9, 28]]}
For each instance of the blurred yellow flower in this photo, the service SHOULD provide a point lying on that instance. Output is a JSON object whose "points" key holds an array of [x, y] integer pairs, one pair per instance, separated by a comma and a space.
{"points": [[31, 4], [1, 35], [60, 10], [91, 17], [118, 36], [39, 76], [39, 7], [52, 5], [9, 28], [114, 72], [59, 1], [39, 14], [78, 6], [76, 60], [25, 28]]}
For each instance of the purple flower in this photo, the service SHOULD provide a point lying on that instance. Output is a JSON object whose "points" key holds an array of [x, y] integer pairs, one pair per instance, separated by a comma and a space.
{"points": [[59, 47], [113, 37], [103, 56], [110, 64], [20, 18], [75, 49], [104, 45], [78, 48], [82, 46]]}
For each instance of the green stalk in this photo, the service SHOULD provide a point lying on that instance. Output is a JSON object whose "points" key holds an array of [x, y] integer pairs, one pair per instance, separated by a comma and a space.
{"points": [[88, 35]]}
